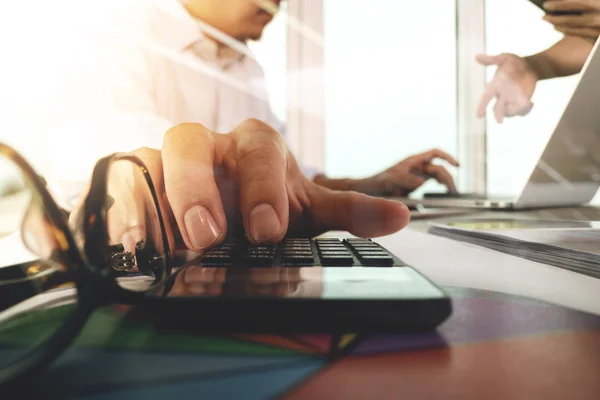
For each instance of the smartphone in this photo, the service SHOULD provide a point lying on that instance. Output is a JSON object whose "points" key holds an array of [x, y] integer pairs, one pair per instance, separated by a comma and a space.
{"points": [[540, 4], [283, 297]]}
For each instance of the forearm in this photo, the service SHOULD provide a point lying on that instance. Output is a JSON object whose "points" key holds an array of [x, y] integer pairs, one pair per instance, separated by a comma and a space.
{"points": [[564, 58], [368, 186]]}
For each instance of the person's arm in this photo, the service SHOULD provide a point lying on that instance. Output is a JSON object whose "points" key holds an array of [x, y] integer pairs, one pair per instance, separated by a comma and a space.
{"points": [[400, 179], [335, 184], [564, 58]]}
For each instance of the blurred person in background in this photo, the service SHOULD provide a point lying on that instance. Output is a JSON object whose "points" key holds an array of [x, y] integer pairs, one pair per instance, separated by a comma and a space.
{"points": [[118, 74], [516, 77]]}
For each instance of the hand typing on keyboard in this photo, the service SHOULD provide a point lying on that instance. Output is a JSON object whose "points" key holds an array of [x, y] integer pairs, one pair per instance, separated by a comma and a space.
{"points": [[247, 181], [408, 175], [276, 269]]}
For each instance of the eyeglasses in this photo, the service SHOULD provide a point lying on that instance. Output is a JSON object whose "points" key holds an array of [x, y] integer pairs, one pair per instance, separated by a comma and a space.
{"points": [[113, 248]]}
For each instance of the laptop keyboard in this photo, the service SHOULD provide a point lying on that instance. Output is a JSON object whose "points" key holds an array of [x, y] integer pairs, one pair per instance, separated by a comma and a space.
{"points": [[294, 252]]}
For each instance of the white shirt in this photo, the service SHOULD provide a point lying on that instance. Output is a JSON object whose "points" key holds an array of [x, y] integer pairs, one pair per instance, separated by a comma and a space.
{"points": [[121, 72]]}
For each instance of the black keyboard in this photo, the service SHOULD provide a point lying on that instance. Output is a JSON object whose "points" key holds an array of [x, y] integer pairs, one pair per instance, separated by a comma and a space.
{"points": [[325, 252]]}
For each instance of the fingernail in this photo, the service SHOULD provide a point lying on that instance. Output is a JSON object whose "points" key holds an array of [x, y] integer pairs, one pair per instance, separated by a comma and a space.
{"points": [[201, 227], [264, 222]]}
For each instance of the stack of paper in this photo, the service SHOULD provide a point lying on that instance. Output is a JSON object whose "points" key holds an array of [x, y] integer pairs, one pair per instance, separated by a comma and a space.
{"points": [[561, 244]]}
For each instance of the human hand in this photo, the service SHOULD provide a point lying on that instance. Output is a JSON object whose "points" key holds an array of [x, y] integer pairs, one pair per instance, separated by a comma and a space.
{"points": [[212, 185], [585, 25], [408, 175], [513, 85]]}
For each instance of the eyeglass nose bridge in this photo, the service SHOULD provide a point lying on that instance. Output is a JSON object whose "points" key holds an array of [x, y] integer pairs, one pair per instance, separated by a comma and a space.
{"points": [[146, 258], [121, 261]]}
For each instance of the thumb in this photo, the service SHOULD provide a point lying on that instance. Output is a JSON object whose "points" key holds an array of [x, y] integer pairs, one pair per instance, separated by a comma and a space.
{"points": [[487, 60], [359, 214]]}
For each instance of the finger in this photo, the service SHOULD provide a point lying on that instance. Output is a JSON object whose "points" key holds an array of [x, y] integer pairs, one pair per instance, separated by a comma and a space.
{"points": [[578, 21], [512, 110], [261, 168], [520, 109], [285, 288], [499, 110], [488, 60], [125, 215], [153, 162], [201, 274], [432, 154], [265, 276], [489, 94], [523, 111], [441, 175], [188, 168], [359, 214], [180, 288], [588, 33], [571, 5]]}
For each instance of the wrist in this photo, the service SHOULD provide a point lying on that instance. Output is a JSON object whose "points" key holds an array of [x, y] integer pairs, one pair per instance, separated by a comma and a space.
{"points": [[540, 66], [335, 184]]}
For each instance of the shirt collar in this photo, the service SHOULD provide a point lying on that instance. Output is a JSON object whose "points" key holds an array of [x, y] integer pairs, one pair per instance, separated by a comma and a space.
{"points": [[178, 30]]}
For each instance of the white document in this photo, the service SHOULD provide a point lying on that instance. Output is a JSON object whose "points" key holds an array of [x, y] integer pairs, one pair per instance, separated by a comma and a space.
{"points": [[583, 240], [452, 263], [564, 244]]}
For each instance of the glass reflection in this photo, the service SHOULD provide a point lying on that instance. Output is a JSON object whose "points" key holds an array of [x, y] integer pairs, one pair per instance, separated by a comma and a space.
{"points": [[199, 280], [307, 282]]}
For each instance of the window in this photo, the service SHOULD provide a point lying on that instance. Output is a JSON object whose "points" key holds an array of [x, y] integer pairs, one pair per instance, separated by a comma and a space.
{"points": [[513, 148], [271, 53], [390, 83]]}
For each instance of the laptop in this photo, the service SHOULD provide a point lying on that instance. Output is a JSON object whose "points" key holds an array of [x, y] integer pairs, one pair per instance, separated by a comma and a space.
{"points": [[568, 171]]}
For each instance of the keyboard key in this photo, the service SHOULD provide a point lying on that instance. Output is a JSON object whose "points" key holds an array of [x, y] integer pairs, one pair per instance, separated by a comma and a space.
{"points": [[217, 258], [297, 253], [337, 260], [261, 248], [215, 252], [336, 253], [259, 255], [297, 248], [298, 258], [372, 253], [257, 261], [377, 260], [368, 249], [331, 248], [358, 245], [374, 248]]}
